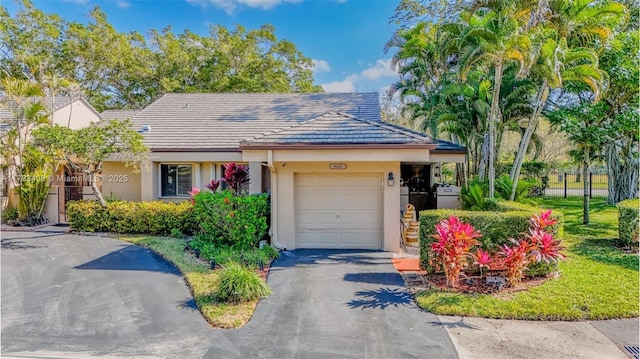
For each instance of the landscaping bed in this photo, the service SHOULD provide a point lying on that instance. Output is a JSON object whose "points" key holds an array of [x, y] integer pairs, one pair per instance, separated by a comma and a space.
{"points": [[202, 281], [598, 280]]}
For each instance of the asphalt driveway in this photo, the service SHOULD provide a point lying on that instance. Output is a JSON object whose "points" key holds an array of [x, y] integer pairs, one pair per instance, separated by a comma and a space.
{"points": [[70, 296]]}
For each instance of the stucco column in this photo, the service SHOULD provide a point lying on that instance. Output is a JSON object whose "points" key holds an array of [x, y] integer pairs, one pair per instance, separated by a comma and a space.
{"points": [[255, 177]]}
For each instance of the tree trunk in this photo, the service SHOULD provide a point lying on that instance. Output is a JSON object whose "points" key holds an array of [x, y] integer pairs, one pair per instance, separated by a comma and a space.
{"points": [[96, 190], [493, 119], [585, 182], [482, 164], [623, 171], [526, 138]]}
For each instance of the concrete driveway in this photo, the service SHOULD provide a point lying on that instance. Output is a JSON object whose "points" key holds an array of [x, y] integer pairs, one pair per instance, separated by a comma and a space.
{"points": [[70, 296]]}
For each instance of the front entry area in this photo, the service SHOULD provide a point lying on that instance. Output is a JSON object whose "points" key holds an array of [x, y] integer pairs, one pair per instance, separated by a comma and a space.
{"points": [[338, 210]]}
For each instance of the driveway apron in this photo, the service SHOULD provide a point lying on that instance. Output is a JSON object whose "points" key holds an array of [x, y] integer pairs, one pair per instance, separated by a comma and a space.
{"points": [[70, 296], [340, 304]]}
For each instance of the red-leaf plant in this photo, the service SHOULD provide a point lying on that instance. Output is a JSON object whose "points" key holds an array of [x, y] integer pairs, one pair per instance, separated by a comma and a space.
{"points": [[235, 175], [515, 258], [538, 245], [482, 259], [454, 239]]}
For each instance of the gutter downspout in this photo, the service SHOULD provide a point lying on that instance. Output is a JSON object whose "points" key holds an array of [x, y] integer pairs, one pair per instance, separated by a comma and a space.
{"points": [[274, 202]]}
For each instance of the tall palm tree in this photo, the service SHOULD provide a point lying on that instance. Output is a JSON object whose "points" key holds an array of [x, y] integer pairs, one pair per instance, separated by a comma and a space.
{"points": [[575, 22], [492, 34]]}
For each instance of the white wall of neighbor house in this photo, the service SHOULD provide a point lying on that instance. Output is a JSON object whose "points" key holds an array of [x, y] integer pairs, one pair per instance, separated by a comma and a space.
{"points": [[286, 213], [81, 115]]}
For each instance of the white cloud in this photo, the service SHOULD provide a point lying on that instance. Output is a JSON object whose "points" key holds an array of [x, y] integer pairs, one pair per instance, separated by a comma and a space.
{"points": [[347, 85], [123, 4], [320, 66], [377, 71], [382, 68], [230, 6]]}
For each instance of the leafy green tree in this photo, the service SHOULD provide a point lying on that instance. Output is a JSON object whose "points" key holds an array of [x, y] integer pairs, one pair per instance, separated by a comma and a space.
{"points": [[85, 149], [559, 24]]}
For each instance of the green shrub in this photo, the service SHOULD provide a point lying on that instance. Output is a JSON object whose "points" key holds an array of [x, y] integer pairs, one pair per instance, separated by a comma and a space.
{"points": [[250, 257], [240, 284], [155, 217], [473, 197], [230, 220], [496, 227], [628, 222]]}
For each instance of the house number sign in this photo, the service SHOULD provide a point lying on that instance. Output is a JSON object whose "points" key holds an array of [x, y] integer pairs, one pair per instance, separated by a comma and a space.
{"points": [[337, 166]]}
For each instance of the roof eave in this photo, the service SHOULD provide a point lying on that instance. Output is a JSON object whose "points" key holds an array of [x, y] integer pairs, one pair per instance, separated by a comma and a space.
{"points": [[335, 146]]}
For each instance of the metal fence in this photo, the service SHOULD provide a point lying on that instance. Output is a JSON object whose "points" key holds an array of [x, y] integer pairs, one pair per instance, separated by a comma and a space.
{"points": [[567, 184]]}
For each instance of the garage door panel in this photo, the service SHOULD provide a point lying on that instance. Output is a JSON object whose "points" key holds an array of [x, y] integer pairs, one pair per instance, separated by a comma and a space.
{"points": [[338, 211]]}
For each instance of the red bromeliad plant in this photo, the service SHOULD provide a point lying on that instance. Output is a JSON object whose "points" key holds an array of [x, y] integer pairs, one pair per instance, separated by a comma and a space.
{"points": [[482, 259], [516, 258], [542, 221], [454, 240], [538, 245], [545, 247]]}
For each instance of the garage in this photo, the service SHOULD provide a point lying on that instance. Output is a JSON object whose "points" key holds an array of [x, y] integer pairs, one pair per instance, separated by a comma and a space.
{"points": [[338, 210]]}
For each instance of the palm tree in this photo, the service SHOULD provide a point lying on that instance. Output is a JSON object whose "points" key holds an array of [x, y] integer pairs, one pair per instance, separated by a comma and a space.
{"points": [[576, 22], [491, 34]]}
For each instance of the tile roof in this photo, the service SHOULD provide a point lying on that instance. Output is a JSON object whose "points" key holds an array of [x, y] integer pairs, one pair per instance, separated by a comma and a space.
{"points": [[51, 104], [449, 147], [340, 129], [119, 114], [220, 121]]}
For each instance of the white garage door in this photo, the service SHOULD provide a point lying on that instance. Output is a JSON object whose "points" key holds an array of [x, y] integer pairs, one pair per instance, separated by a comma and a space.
{"points": [[338, 211]]}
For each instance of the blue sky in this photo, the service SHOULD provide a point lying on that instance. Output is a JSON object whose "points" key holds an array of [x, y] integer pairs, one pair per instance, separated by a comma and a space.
{"points": [[345, 38]]}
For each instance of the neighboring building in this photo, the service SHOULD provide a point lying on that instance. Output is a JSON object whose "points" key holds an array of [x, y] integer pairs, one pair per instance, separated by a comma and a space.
{"points": [[333, 168], [66, 111]]}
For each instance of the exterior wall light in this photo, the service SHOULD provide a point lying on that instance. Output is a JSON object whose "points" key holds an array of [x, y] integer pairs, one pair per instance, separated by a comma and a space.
{"points": [[390, 180], [436, 171]]}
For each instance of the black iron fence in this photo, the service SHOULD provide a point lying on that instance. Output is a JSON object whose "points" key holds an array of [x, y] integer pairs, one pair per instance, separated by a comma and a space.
{"points": [[567, 184]]}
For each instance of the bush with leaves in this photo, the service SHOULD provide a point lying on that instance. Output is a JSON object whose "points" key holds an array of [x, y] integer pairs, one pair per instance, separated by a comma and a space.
{"points": [[228, 220], [240, 284], [131, 217], [252, 257], [628, 222]]}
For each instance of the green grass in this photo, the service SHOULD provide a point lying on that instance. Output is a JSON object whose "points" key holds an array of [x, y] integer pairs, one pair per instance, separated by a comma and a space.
{"points": [[202, 281], [597, 281]]}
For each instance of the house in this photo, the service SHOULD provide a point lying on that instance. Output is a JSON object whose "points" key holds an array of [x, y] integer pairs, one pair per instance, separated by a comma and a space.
{"points": [[333, 168], [72, 112]]}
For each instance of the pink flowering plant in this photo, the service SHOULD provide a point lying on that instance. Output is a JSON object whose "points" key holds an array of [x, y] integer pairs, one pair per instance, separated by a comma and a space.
{"points": [[453, 241], [456, 248]]}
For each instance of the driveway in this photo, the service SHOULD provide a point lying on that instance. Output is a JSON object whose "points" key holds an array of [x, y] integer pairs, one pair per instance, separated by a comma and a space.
{"points": [[70, 296]]}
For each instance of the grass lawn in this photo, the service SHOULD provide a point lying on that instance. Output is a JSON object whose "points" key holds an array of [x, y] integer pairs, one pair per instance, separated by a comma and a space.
{"points": [[597, 281], [201, 280]]}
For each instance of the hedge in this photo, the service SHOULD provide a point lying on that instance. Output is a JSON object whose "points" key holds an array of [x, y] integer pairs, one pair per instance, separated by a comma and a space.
{"points": [[496, 227], [131, 217], [628, 222]]}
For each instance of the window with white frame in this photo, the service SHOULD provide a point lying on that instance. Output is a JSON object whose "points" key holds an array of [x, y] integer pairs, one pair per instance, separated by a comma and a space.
{"points": [[176, 180]]}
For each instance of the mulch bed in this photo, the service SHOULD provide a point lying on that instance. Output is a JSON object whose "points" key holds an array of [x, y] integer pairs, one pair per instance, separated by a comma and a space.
{"points": [[416, 282]]}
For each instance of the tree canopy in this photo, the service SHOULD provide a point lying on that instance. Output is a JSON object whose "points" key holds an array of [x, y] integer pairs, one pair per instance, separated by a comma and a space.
{"points": [[116, 70]]}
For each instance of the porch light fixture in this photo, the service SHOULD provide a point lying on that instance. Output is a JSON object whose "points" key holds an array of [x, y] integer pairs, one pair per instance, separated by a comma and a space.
{"points": [[390, 180], [436, 171]]}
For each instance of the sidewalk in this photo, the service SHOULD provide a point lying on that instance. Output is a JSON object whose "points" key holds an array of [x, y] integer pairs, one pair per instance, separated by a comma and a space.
{"points": [[494, 338]]}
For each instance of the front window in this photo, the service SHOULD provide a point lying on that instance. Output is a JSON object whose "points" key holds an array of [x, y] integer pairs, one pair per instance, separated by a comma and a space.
{"points": [[176, 180]]}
